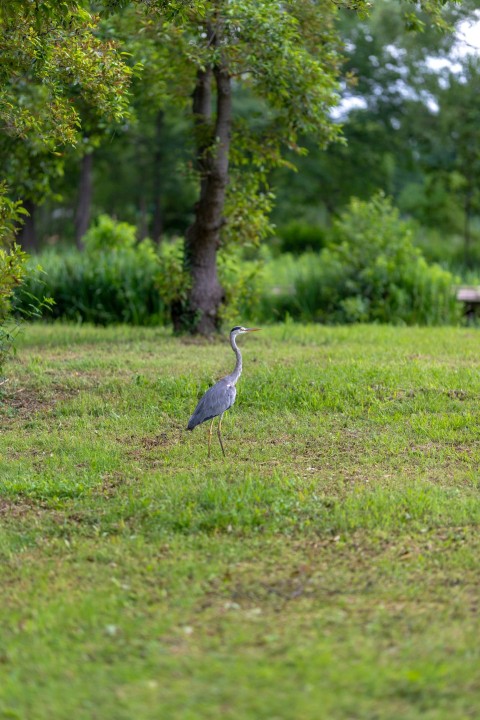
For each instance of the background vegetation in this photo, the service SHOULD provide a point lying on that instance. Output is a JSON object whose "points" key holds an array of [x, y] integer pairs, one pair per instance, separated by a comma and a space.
{"points": [[293, 244]]}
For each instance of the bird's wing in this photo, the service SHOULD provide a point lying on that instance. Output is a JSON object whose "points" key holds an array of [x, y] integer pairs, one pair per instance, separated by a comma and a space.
{"points": [[216, 400]]}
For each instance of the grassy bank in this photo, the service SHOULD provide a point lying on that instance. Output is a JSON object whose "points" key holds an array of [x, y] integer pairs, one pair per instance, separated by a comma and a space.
{"points": [[328, 568]]}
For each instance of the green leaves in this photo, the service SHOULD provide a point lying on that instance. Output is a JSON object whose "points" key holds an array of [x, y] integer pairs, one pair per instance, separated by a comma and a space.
{"points": [[13, 271], [270, 48], [283, 61], [50, 58], [372, 272], [10, 216]]}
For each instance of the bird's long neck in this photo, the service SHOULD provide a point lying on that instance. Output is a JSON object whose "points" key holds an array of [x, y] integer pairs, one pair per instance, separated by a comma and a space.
{"points": [[238, 365]]}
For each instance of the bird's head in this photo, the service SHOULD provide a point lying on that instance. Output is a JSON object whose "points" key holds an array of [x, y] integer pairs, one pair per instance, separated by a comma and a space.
{"points": [[239, 330]]}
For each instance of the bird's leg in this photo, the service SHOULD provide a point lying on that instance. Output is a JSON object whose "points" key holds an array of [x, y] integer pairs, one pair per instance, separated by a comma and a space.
{"points": [[210, 436], [219, 432]]}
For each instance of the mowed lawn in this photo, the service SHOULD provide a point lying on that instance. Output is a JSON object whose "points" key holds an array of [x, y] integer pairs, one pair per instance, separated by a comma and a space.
{"points": [[327, 568]]}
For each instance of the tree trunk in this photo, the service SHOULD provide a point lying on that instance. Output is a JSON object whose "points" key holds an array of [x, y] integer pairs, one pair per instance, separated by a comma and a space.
{"points": [[157, 179], [84, 203], [27, 234], [466, 227], [143, 222], [203, 236]]}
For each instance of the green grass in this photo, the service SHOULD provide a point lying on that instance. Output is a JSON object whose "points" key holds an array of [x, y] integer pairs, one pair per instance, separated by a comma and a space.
{"points": [[327, 568]]}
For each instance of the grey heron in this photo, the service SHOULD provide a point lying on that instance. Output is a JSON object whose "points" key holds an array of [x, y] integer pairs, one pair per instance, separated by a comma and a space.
{"points": [[221, 396]]}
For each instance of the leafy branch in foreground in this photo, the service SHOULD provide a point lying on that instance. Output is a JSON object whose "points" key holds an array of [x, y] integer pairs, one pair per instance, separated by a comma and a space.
{"points": [[13, 271]]}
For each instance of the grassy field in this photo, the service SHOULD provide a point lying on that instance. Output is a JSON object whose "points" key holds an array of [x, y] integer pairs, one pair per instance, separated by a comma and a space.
{"points": [[327, 568]]}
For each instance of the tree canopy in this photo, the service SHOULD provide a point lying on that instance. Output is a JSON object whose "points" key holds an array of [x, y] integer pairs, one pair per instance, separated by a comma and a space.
{"points": [[220, 101], [52, 61]]}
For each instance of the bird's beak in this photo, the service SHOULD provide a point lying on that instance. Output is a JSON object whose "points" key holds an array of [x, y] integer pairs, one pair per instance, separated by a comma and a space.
{"points": [[252, 329]]}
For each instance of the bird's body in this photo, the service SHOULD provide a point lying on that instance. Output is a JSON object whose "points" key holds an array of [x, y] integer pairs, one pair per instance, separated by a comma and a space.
{"points": [[221, 396]]}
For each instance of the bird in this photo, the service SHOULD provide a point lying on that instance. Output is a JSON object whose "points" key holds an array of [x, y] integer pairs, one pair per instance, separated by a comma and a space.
{"points": [[221, 396]]}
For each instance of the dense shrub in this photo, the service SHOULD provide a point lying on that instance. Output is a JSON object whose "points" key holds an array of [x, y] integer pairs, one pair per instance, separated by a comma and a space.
{"points": [[243, 281], [298, 236], [113, 280], [372, 272], [369, 272], [116, 279]]}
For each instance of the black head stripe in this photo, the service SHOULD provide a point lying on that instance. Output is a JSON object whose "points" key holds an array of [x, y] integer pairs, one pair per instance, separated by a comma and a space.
{"points": [[237, 327]]}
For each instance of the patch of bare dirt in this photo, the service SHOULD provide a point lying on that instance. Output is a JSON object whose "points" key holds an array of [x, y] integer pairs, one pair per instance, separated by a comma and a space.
{"points": [[19, 507], [160, 440], [111, 482], [143, 446], [25, 402]]}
